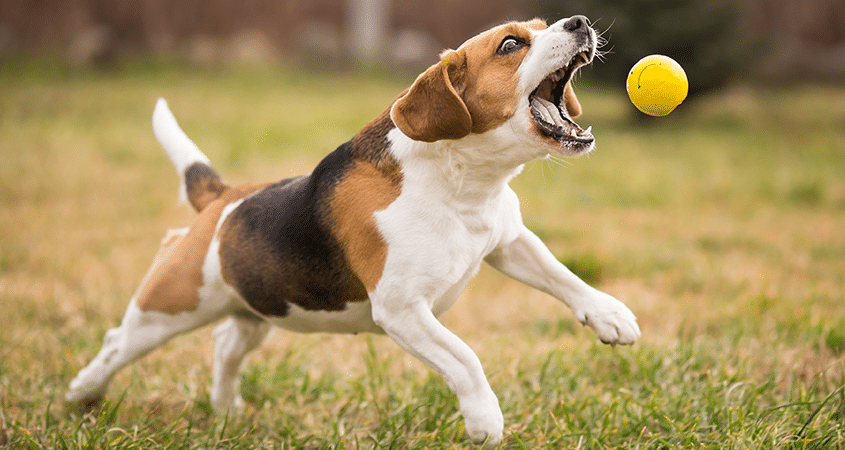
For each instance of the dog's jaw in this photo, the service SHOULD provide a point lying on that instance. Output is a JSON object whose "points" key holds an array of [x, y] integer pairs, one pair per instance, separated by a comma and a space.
{"points": [[556, 55], [550, 112]]}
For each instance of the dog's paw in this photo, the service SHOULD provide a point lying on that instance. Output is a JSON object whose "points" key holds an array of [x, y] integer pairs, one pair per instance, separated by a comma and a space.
{"points": [[228, 407], [611, 320], [79, 403], [483, 420], [486, 431], [85, 391]]}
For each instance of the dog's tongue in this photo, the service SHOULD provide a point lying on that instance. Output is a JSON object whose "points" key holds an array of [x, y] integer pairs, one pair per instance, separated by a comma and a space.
{"points": [[554, 116], [549, 111]]}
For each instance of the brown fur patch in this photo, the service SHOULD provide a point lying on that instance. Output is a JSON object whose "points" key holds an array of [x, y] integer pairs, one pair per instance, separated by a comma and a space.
{"points": [[273, 253], [312, 241], [432, 110], [371, 144], [490, 85], [176, 273], [473, 89], [203, 185], [363, 191]]}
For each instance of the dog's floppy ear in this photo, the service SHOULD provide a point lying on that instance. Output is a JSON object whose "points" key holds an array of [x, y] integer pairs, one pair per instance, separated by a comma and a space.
{"points": [[573, 107], [432, 109]]}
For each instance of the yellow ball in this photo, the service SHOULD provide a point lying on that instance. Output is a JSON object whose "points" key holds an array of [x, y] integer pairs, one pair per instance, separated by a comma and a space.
{"points": [[657, 84]]}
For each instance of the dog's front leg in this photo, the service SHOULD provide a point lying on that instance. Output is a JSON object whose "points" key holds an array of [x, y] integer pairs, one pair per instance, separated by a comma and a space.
{"points": [[528, 260], [415, 328]]}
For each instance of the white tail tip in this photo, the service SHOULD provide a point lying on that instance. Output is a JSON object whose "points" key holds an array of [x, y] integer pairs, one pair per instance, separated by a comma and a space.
{"points": [[179, 147]]}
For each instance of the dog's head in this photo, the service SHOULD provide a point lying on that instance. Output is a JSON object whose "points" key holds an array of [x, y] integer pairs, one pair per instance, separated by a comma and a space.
{"points": [[514, 77]]}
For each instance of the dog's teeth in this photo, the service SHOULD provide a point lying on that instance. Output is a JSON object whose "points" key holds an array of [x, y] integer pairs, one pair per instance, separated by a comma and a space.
{"points": [[589, 130], [573, 132]]}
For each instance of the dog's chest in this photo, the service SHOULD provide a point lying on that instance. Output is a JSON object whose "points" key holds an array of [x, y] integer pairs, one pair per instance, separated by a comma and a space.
{"points": [[436, 245]]}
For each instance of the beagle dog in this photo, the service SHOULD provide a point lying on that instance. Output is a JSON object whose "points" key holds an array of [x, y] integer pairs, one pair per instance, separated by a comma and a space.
{"points": [[386, 231]]}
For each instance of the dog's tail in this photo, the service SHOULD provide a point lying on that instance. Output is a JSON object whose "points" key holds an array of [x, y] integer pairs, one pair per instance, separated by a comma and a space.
{"points": [[199, 183]]}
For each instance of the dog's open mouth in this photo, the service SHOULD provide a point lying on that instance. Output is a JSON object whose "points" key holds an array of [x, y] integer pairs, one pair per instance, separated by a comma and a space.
{"points": [[548, 107]]}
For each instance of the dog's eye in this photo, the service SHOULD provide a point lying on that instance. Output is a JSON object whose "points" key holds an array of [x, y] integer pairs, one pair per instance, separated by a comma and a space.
{"points": [[509, 44]]}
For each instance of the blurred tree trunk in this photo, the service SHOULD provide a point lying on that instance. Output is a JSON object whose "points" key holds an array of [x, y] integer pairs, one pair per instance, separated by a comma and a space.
{"points": [[368, 23]]}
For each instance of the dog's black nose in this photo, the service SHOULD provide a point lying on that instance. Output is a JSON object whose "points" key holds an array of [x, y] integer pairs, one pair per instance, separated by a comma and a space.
{"points": [[576, 23]]}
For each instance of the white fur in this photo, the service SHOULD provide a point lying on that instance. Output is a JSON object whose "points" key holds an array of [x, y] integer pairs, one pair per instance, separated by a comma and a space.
{"points": [[551, 49], [357, 317]]}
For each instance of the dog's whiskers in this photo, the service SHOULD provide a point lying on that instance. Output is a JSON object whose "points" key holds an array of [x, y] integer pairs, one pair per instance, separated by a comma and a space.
{"points": [[558, 161], [602, 41]]}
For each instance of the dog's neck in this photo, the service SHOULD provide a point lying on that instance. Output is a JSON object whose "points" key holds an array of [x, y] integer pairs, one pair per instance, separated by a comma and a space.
{"points": [[465, 170], [468, 172]]}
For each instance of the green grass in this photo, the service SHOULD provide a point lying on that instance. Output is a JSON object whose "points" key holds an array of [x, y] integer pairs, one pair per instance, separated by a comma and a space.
{"points": [[721, 226]]}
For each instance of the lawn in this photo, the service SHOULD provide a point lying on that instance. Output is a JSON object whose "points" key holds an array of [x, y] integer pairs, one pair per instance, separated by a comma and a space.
{"points": [[721, 226]]}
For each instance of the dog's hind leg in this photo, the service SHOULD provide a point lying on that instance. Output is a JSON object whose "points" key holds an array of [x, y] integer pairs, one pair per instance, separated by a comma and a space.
{"points": [[139, 333], [233, 339], [175, 297]]}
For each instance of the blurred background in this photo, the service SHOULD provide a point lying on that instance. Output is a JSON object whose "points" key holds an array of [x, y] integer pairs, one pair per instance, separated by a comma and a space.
{"points": [[715, 40]]}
